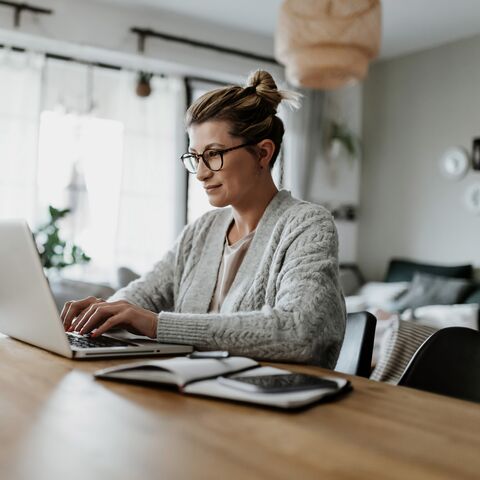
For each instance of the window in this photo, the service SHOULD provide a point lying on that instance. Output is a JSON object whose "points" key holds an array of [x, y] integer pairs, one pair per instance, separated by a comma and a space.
{"points": [[76, 136], [20, 89], [197, 203]]}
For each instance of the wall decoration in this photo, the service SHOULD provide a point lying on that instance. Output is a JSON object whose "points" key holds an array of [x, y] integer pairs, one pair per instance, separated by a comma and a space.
{"points": [[476, 154], [454, 163], [472, 198]]}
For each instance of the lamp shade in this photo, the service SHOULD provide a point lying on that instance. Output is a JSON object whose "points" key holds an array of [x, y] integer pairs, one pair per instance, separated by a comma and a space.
{"points": [[326, 44]]}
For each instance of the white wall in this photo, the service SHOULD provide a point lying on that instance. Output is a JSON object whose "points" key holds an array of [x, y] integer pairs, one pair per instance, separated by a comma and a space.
{"points": [[338, 182], [415, 107]]}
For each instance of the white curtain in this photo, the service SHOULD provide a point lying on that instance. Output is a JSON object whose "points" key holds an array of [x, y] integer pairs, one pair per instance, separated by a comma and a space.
{"points": [[114, 159], [198, 203], [76, 136], [302, 143], [20, 93]]}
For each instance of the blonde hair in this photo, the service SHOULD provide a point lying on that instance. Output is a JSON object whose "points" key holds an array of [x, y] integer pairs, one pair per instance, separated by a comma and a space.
{"points": [[250, 110]]}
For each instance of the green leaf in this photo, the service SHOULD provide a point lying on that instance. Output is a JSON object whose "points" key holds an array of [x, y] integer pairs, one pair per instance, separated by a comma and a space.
{"points": [[54, 252]]}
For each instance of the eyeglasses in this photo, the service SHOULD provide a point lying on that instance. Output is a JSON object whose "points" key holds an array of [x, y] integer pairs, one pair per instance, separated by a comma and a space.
{"points": [[213, 159]]}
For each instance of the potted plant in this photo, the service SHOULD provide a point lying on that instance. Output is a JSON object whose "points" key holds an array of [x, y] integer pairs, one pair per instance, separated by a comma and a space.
{"points": [[55, 253], [143, 84], [339, 137]]}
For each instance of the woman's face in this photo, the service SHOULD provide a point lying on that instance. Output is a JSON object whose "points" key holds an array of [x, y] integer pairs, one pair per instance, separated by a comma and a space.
{"points": [[241, 174]]}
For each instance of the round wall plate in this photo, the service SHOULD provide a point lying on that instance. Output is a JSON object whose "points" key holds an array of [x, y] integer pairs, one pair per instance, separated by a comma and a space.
{"points": [[454, 163], [472, 198]]}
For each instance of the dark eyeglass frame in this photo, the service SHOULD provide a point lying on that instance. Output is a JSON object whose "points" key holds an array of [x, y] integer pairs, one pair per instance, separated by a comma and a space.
{"points": [[197, 156]]}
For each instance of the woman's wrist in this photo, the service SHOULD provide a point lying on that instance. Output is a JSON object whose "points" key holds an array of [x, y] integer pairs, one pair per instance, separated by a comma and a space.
{"points": [[153, 331]]}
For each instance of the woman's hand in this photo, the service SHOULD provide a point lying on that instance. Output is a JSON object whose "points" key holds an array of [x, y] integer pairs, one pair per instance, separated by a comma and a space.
{"points": [[98, 316]]}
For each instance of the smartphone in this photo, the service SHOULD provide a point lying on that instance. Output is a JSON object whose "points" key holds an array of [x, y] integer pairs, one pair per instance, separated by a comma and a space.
{"points": [[277, 383]]}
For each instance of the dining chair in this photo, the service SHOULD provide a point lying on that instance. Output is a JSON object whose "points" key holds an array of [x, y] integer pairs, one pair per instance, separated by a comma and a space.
{"points": [[447, 363], [356, 353]]}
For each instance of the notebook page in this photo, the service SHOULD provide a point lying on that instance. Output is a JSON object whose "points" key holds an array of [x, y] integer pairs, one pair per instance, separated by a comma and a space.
{"points": [[178, 370]]}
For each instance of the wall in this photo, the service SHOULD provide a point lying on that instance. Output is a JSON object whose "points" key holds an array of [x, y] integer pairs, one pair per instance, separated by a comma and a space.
{"points": [[96, 32], [90, 30], [338, 182], [93, 31], [415, 107]]}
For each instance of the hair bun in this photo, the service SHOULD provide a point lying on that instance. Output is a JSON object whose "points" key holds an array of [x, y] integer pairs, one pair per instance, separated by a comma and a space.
{"points": [[266, 88]]}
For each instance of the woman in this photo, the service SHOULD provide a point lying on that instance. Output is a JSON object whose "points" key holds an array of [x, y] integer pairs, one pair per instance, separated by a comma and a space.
{"points": [[259, 278]]}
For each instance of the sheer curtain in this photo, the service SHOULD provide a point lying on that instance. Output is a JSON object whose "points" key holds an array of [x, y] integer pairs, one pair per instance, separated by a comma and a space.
{"points": [[20, 93], [198, 203], [111, 157], [302, 143], [76, 136]]}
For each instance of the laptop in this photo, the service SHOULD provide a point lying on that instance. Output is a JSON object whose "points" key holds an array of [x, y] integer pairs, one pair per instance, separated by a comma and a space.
{"points": [[28, 311]]}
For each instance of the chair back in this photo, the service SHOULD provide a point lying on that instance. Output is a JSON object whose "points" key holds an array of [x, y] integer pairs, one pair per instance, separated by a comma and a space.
{"points": [[356, 353], [447, 363]]}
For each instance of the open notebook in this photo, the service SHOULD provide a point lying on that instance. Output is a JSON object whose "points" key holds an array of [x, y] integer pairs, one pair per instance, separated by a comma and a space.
{"points": [[200, 377]]}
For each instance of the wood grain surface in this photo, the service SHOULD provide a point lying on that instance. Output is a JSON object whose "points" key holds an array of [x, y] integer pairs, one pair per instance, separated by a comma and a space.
{"points": [[57, 421]]}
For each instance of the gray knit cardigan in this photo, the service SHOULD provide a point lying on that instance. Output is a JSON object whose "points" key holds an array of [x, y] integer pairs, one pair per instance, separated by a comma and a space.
{"points": [[285, 303]]}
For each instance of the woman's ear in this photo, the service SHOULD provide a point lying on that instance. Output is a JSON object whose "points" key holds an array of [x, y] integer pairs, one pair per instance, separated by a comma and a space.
{"points": [[266, 149]]}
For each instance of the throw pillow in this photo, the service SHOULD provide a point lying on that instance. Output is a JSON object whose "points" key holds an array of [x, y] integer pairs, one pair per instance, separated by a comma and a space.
{"points": [[381, 294], [474, 296], [403, 270], [65, 289], [350, 279], [125, 276], [399, 345], [443, 316], [428, 289]]}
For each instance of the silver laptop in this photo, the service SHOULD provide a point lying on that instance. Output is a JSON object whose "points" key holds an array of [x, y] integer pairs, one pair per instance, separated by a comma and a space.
{"points": [[28, 311]]}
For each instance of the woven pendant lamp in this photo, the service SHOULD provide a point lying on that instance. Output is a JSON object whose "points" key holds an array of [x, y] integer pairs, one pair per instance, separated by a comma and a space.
{"points": [[326, 44]]}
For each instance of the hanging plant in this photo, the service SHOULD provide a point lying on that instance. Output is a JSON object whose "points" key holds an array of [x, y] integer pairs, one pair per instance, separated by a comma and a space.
{"points": [[339, 137], [55, 253], [144, 88]]}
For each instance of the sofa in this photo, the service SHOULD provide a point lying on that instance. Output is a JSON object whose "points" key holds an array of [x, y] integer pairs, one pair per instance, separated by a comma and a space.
{"points": [[65, 289], [414, 300]]}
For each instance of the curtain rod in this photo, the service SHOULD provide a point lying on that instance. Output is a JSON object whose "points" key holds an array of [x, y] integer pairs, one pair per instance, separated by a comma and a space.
{"points": [[110, 66], [56, 56], [19, 8], [144, 33]]}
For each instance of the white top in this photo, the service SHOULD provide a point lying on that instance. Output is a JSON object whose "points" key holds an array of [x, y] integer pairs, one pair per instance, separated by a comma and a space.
{"points": [[231, 261]]}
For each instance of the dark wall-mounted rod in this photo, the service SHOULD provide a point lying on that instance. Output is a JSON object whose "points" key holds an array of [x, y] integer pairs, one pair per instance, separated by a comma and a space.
{"points": [[110, 66], [67, 59], [19, 8], [144, 33]]}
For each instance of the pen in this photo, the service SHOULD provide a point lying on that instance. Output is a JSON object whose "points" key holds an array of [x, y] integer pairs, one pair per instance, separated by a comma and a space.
{"points": [[213, 354]]}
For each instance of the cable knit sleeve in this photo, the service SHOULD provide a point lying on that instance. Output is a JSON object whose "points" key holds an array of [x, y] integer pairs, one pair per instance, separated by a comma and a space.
{"points": [[156, 290], [303, 319]]}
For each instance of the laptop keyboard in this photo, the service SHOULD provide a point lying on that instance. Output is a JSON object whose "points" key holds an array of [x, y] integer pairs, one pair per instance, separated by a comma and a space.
{"points": [[86, 341]]}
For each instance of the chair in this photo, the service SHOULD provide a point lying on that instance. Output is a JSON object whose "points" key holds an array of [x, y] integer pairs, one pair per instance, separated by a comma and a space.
{"points": [[447, 363], [356, 353]]}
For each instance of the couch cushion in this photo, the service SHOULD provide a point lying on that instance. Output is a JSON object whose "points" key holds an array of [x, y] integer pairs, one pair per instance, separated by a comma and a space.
{"points": [[351, 279], [64, 290], [428, 289], [473, 296], [125, 276], [401, 341], [403, 270], [443, 316]]}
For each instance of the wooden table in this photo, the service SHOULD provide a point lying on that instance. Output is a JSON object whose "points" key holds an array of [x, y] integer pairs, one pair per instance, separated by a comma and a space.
{"points": [[57, 422]]}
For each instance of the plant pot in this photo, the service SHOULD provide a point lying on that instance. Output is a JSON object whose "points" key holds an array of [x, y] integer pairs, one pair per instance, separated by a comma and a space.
{"points": [[143, 89]]}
